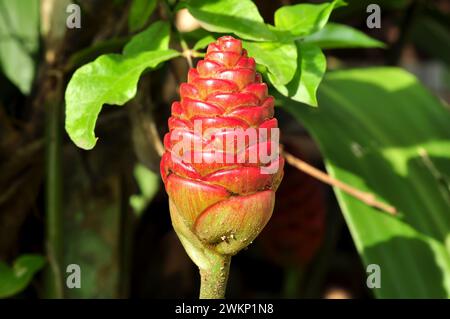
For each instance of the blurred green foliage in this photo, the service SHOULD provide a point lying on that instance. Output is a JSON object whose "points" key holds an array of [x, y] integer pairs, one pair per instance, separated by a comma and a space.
{"points": [[14, 279], [19, 38], [392, 139]]}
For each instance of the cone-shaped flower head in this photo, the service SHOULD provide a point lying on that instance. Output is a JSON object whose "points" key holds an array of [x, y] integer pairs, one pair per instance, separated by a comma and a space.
{"points": [[222, 165]]}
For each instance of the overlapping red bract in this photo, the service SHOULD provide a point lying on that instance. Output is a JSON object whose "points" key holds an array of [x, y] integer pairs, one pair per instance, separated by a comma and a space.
{"points": [[224, 204]]}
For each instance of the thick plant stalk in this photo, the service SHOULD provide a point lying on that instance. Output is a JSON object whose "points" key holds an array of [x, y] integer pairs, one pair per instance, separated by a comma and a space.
{"points": [[221, 197], [54, 243], [214, 279], [53, 26]]}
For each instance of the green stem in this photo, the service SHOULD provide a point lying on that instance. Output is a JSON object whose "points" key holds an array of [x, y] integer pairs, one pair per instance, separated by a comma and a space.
{"points": [[214, 267], [53, 202], [183, 43], [214, 279], [186, 51]]}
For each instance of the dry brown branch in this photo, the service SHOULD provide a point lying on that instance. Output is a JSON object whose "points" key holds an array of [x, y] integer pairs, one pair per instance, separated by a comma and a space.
{"points": [[365, 197]]}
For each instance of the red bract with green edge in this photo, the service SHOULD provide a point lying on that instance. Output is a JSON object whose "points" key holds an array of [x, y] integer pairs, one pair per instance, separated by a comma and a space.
{"points": [[219, 206]]}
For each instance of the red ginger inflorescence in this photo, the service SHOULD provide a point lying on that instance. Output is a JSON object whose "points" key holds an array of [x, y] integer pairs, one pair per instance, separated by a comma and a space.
{"points": [[221, 205]]}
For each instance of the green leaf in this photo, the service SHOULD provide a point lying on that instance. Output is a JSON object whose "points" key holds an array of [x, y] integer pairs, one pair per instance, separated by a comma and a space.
{"points": [[304, 19], [311, 66], [240, 17], [111, 79], [140, 11], [203, 42], [14, 280], [155, 37], [19, 41], [148, 183], [381, 132], [279, 58], [335, 35]]}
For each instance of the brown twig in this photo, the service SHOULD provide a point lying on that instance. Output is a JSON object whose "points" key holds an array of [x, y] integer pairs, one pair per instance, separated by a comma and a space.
{"points": [[367, 198]]}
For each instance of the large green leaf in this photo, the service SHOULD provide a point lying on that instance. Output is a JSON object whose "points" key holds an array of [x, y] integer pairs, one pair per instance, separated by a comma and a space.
{"points": [[311, 66], [279, 58], [382, 132], [140, 11], [111, 79], [303, 19], [16, 278], [155, 37], [335, 35], [19, 41], [240, 17]]}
